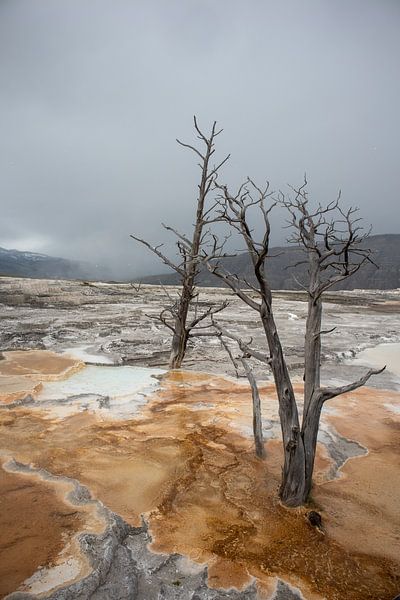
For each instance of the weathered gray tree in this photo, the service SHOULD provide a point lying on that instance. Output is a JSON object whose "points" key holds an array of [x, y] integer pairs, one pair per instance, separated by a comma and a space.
{"points": [[176, 316], [245, 354], [334, 249]]}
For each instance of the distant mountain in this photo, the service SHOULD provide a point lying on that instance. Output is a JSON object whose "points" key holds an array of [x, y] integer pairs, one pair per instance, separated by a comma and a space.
{"points": [[386, 254], [16, 263]]}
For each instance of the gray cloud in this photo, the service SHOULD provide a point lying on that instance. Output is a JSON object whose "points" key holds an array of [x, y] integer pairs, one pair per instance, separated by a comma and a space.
{"points": [[93, 95]]}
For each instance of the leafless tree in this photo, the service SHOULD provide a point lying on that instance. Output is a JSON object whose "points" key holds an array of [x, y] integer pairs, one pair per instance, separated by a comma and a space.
{"points": [[334, 249], [177, 316], [246, 352]]}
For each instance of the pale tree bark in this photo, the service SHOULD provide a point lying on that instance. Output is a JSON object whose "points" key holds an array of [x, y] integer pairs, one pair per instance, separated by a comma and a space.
{"points": [[334, 249], [246, 353], [257, 418], [176, 317]]}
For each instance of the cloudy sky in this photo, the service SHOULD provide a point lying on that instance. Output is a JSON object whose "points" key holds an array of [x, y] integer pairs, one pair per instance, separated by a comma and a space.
{"points": [[94, 93]]}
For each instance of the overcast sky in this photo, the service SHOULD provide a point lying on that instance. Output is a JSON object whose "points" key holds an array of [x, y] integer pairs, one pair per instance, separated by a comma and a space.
{"points": [[93, 94]]}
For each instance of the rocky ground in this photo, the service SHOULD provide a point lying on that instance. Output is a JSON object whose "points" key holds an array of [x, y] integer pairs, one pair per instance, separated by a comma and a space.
{"points": [[120, 322], [146, 489]]}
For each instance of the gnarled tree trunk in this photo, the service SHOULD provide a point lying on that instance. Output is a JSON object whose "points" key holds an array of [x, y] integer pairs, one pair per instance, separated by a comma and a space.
{"points": [[292, 487], [334, 251], [181, 334]]}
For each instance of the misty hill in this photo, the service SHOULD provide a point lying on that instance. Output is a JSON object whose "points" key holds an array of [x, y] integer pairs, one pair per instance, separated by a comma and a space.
{"points": [[386, 250], [16, 263], [386, 254]]}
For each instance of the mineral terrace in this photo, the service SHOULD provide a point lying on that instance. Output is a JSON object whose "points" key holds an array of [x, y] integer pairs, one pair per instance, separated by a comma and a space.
{"points": [[121, 480]]}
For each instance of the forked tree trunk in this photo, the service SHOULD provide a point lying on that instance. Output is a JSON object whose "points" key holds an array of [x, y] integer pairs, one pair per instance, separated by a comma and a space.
{"points": [[299, 445], [332, 241]]}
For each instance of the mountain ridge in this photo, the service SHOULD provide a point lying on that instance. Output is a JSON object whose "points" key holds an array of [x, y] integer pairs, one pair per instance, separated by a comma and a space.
{"points": [[385, 247], [22, 263], [386, 254]]}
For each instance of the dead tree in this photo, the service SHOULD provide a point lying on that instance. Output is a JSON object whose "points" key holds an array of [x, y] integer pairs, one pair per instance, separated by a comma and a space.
{"points": [[247, 352], [190, 259], [334, 249]]}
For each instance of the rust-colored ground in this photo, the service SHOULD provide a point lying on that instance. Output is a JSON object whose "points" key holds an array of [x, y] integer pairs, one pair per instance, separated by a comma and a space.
{"points": [[22, 372], [364, 504], [35, 526], [185, 462]]}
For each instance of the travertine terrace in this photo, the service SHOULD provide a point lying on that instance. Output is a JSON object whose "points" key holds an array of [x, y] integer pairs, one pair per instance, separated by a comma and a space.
{"points": [[121, 480]]}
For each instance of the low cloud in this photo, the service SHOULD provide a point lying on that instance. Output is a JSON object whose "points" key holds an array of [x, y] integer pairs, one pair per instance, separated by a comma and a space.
{"points": [[93, 98]]}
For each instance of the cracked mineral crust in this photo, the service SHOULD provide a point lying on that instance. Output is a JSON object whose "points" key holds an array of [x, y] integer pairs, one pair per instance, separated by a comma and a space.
{"points": [[121, 480]]}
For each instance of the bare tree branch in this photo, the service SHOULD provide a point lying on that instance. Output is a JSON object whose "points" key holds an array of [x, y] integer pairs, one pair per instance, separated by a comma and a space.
{"points": [[245, 348], [212, 310], [325, 332], [191, 148], [135, 286], [156, 251], [182, 237], [229, 353], [331, 392]]}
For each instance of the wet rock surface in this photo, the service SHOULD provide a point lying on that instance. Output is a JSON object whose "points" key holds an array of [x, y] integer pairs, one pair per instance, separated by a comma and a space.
{"points": [[186, 461], [119, 322], [123, 567], [177, 449]]}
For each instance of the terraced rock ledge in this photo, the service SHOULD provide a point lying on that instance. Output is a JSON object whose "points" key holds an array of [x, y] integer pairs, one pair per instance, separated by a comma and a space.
{"points": [[122, 480]]}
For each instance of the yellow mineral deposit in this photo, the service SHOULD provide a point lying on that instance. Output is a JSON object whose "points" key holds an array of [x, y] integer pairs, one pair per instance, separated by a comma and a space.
{"points": [[186, 461]]}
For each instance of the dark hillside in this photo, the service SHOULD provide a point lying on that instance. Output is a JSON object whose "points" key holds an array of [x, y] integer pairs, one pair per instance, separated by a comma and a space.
{"points": [[15, 263], [386, 254]]}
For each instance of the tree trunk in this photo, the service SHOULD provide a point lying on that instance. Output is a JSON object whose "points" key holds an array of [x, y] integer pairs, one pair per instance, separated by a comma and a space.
{"points": [[312, 351], [334, 250], [292, 490], [257, 420], [293, 476], [312, 372], [181, 334], [178, 347], [312, 342], [309, 432]]}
